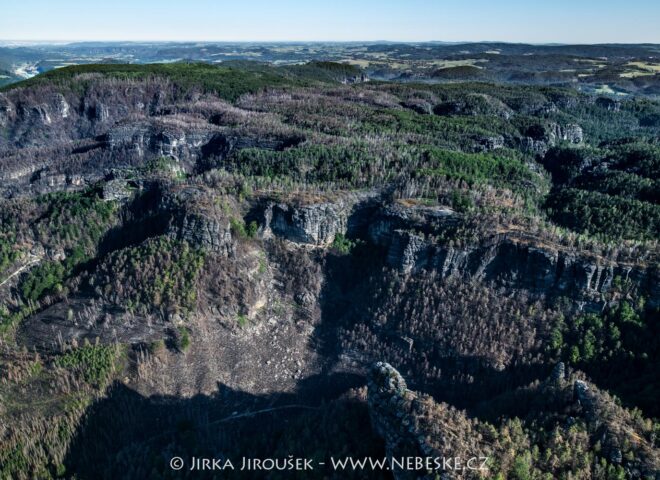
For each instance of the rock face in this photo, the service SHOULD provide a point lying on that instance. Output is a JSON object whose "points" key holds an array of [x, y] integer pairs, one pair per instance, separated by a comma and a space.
{"points": [[510, 258], [315, 222], [474, 104], [593, 410], [414, 425], [540, 138], [194, 144], [203, 231], [583, 395], [312, 224], [399, 215], [391, 413], [61, 105], [572, 133], [403, 231], [114, 125], [196, 218], [349, 80], [408, 250], [408, 234], [547, 109], [45, 181], [53, 108], [159, 139]]}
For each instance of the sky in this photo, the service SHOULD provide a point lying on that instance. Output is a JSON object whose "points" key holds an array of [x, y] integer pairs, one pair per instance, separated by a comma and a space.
{"points": [[531, 21]]}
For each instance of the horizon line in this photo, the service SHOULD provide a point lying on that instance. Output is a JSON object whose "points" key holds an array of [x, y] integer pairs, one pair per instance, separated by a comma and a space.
{"points": [[381, 41]]}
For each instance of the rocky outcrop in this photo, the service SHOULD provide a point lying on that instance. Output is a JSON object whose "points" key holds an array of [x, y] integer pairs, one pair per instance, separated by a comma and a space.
{"points": [[547, 109], [415, 426], [196, 145], [403, 231], [55, 108], [540, 138], [159, 139], [97, 112], [408, 250], [597, 410], [39, 114], [391, 412], [116, 190], [315, 224], [203, 231], [584, 397], [319, 221], [352, 79], [47, 181], [491, 143], [404, 215], [46, 115], [408, 234], [412, 424], [531, 145], [513, 261], [197, 218], [571, 133], [61, 105], [474, 104], [42, 121]]}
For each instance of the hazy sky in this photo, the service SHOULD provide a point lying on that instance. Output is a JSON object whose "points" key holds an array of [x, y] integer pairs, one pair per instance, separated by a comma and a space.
{"points": [[565, 21]]}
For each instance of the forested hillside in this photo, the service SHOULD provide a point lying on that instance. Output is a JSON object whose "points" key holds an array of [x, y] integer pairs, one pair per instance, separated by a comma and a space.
{"points": [[190, 254]]}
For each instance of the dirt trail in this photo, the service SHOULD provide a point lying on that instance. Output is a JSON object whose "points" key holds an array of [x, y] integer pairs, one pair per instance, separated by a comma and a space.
{"points": [[32, 260]]}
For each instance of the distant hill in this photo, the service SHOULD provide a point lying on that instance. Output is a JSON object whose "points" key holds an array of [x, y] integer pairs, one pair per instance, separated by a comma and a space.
{"points": [[588, 67]]}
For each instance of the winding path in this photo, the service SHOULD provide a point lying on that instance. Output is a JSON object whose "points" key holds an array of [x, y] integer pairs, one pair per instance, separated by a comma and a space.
{"points": [[33, 259]]}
